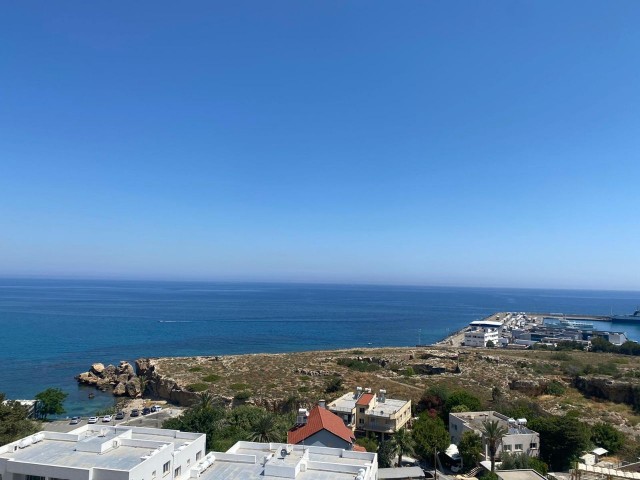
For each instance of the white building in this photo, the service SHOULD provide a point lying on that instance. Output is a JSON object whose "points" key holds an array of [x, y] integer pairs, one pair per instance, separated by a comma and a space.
{"points": [[277, 461], [519, 439], [94, 452], [481, 336]]}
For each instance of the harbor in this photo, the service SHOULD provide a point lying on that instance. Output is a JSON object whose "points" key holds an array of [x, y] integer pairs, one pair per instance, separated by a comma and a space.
{"points": [[521, 330]]}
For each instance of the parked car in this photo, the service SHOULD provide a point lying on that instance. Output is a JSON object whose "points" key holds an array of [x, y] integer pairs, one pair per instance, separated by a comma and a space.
{"points": [[156, 408], [120, 416], [92, 420], [146, 411], [135, 412], [107, 418], [74, 421]]}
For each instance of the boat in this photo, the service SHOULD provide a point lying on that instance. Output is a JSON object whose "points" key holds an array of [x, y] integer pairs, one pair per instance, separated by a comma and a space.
{"points": [[92, 395], [635, 317], [577, 325]]}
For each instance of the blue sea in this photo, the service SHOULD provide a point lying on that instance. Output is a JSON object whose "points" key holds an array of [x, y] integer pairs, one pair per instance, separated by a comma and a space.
{"points": [[52, 330]]}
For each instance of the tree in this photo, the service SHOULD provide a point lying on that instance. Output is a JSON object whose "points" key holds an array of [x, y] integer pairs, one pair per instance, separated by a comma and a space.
{"points": [[429, 434], [462, 398], [490, 344], [205, 400], [470, 449], [496, 393], [606, 436], [493, 433], [50, 402], [562, 439], [404, 443], [265, 429], [386, 454], [13, 422], [369, 443]]}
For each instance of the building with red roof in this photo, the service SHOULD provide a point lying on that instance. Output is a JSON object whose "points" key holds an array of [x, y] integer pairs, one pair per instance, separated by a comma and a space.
{"points": [[322, 428]]}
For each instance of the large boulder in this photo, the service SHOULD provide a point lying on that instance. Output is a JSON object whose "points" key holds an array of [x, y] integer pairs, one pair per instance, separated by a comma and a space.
{"points": [[97, 368], [126, 367], [133, 388], [120, 389]]}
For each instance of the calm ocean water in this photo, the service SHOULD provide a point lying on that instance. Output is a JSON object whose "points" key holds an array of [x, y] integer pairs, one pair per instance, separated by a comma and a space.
{"points": [[53, 329]]}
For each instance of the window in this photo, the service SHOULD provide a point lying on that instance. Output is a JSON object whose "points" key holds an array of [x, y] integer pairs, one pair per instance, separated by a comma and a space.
{"points": [[531, 445], [518, 446], [362, 410], [506, 448], [455, 426], [34, 477], [176, 472], [198, 455], [153, 475], [361, 421], [165, 468], [188, 462]]}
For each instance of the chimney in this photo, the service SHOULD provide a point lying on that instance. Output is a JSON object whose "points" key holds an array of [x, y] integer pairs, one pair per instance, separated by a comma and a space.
{"points": [[382, 395], [302, 417], [322, 404]]}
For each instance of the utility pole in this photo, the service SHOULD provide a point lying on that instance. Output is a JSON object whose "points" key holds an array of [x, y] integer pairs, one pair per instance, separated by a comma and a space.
{"points": [[435, 464]]}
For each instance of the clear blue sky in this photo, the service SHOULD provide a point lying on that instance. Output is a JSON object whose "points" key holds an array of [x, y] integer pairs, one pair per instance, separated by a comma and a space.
{"points": [[418, 142]]}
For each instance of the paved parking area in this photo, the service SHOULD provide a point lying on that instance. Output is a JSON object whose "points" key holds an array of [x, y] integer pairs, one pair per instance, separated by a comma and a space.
{"points": [[153, 420]]}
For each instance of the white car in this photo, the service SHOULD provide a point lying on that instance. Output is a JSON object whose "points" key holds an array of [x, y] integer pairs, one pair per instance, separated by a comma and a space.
{"points": [[75, 420], [106, 418], [92, 420], [156, 408]]}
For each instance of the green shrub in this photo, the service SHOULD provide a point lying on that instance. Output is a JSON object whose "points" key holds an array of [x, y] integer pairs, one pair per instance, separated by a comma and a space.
{"points": [[243, 395], [555, 388], [239, 386], [197, 387], [212, 377], [358, 365], [303, 389], [195, 369], [334, 385]]}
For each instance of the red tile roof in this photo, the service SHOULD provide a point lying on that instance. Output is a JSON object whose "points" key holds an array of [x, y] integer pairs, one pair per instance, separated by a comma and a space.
{"points": [[358, 448], [320, 419], [365, 399]]}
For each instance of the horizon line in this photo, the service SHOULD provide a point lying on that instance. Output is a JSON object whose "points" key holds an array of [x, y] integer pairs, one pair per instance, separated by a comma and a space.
{"points": [[81, 278]]}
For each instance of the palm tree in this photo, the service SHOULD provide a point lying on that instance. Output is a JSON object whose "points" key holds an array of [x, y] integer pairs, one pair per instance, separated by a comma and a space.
{"points": [[403, 443], [205, 400], [265, 429], [493, 433]]}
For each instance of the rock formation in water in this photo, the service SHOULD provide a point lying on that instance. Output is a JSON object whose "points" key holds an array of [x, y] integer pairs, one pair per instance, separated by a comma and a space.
{"points": [[121, 380]]}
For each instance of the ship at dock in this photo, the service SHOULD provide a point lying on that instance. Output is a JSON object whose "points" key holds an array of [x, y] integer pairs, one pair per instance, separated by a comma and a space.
{"points": [[635, 317]]}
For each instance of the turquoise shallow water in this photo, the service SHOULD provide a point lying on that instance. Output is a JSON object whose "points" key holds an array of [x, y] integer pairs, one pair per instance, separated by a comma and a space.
{"points": [[53, 329]]}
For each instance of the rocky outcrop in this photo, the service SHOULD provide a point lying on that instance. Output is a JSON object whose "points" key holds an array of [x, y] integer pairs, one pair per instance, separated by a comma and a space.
{"points": [[163, 387], [121, 380], [618, 391], [533, 388]]}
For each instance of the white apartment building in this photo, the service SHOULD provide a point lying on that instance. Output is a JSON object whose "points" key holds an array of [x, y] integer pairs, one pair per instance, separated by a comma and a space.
{"points": [[480, 337], [277, 461], [95, 452], [519, 439], [92, 452]]}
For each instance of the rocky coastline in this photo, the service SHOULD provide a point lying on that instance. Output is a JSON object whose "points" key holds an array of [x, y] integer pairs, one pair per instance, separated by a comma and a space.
{"points": [[121, 380]]}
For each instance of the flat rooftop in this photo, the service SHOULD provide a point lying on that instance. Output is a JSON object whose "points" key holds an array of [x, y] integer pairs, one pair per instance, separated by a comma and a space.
{"points": [[347, 402], [92, 447], [389, 407], [474, 420], [519, 475], [245, 461]]}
